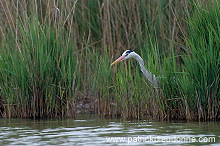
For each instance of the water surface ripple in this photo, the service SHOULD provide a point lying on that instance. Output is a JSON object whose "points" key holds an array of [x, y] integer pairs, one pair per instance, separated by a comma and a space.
{"points": [[94, 131]]}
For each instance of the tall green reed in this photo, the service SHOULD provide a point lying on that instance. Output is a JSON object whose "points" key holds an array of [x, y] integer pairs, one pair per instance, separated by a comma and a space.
{"points": [[39, 77], [202, 62], [55, 55]]}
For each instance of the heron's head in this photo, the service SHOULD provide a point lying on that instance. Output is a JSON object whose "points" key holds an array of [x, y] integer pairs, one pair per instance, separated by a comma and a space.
{"points": [[127, 54]]}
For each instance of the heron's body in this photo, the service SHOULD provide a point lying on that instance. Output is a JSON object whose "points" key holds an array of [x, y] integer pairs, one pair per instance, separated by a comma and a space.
{"points": [[131, 54]]}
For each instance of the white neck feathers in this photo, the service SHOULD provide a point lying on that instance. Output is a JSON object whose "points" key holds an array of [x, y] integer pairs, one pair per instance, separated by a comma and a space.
{"points": [[151, 77]]}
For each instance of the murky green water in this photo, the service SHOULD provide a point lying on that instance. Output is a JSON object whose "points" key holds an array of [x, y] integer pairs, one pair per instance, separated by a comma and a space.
{"points": [[89, 130]]}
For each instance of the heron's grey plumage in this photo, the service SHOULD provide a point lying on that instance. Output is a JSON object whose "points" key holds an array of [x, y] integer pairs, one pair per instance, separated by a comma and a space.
{"points": [[150, 76]]}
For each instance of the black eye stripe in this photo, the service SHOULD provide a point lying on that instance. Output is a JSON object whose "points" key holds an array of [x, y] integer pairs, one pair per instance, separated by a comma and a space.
{"points": [[129, 51]]}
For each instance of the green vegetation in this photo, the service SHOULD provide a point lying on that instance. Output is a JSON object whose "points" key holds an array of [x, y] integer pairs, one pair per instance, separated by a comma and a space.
{"points": [[55, 58]]}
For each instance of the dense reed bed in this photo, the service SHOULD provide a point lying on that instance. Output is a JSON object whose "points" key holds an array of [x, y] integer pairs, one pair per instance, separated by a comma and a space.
{"points": [[56, 55]]}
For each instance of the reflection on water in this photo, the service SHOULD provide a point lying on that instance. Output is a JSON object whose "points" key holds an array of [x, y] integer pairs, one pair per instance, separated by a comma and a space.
{"points": [[87, 130]]}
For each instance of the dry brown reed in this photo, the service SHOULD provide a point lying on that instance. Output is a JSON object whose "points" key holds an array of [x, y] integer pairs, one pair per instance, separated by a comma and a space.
{"points": [[97, 30]]}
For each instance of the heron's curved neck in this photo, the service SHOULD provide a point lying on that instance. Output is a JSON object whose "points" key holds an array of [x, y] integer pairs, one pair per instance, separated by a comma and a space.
{"points": [[151, 77], [139, 59]]}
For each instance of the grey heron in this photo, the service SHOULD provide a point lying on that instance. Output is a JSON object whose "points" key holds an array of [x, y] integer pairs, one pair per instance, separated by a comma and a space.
{"points": [[131, 54]]}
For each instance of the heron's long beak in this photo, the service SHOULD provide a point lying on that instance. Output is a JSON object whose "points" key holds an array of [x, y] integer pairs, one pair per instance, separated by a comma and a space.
{"points": [[119, 59]]}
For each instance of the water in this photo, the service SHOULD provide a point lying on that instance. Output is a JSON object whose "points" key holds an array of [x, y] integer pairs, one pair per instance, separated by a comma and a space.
{"points": [[90, 130]]}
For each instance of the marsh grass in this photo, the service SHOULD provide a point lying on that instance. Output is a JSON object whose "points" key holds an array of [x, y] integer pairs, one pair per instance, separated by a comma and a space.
{"points": [[41, 74], [202, 65], [56, 56]]}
